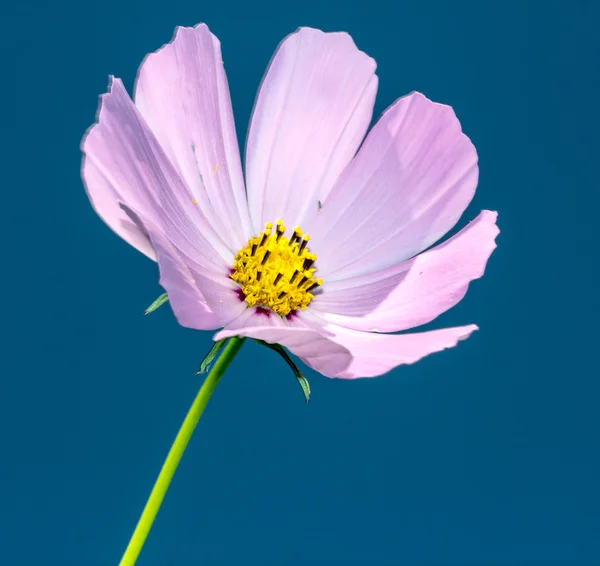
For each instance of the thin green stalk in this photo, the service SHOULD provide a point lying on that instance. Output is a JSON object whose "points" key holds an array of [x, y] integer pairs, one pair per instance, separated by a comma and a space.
{"points": [[173, 458]]}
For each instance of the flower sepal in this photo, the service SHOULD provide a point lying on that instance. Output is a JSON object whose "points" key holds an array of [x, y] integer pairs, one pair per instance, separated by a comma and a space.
{"points": [[210, 357], [158, 303], [301, 379]]}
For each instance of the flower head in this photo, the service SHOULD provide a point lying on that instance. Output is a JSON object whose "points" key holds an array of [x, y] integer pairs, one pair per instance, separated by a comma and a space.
{"points": [[322, 248]]}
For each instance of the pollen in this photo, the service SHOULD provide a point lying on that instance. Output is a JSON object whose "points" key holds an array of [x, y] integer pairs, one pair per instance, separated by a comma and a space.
{"points": [[276, 272]]}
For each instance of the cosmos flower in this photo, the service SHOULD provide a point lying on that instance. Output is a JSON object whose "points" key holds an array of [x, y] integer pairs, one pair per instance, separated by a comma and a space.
{"points": [[321, 249]]}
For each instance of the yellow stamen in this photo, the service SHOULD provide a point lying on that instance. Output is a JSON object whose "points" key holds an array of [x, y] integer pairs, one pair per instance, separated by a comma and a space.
{"points": [[275, 272]]}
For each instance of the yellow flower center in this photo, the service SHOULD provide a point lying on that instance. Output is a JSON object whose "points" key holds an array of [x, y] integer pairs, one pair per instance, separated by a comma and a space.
{"points": [[276, 272]]}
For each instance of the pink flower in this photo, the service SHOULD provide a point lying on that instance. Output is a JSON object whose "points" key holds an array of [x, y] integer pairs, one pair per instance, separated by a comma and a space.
{"points": [[165, 174]]}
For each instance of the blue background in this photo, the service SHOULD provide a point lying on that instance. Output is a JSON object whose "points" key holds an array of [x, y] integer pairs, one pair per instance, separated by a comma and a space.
{"points": [[483, 455]]}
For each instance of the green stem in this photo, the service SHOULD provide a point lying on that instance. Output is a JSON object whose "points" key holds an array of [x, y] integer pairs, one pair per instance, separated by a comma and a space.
{"points": [[173, 458]]}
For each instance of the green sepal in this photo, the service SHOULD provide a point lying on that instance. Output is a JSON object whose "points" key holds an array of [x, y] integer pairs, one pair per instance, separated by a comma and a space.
{"points": [[158, 303], [210, 357], [301, 379]]}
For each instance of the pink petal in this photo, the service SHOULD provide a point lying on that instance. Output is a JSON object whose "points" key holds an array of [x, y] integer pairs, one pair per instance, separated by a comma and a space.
{"points": [[339, 352], [122, 152], [182, 93], [198, 299], [312, 112], [304, 341], [413, 292], [105, 198], [409, 184]]}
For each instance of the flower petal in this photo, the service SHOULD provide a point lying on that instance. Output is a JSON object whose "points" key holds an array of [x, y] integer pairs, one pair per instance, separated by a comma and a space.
{"points": [[182, 93], [311, 114], [198, 301], [408, 185], [340, 352], [122, 151], [105, 198], [307, 343], [413, 292]]}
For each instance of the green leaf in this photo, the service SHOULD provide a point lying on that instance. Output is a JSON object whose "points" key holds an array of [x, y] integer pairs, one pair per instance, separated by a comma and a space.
{"points": [[158, 303], [210, 357], [301, 379]]}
